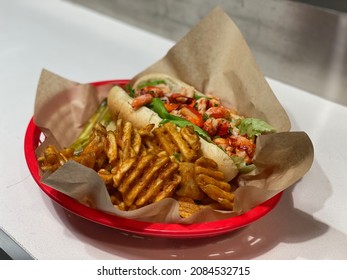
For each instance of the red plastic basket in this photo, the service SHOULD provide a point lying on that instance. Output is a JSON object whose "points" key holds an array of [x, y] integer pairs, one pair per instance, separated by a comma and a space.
{"points": [[196, 230]]}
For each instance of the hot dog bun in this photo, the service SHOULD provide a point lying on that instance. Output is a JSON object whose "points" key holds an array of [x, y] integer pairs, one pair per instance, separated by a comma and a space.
{"points": [[119, 103], [173, 83]]}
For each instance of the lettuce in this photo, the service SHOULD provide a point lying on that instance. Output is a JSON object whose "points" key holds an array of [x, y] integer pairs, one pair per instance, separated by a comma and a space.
{"points": [[242, 166], [254, 127]]}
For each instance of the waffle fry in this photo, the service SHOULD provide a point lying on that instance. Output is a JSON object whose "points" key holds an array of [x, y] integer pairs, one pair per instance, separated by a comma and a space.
{"points": [[187, 207], [223, 197], [212, 183], [203, 179], [155, 187], [164, 140], [168, 189], [189, 187], [52, 159], [189, 135], [106, 176], [142, 162], [86, 159], [141, 184], [188, 153], [111, 148], [96, 145], [121, 170], [147, 130]]}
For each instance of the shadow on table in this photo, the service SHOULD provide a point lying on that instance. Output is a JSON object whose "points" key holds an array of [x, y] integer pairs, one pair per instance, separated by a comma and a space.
{"points": [[284, 224]]}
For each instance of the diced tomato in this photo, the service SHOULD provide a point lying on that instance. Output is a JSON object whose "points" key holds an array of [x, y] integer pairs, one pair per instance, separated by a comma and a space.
{"points": [[171, 106], [192, 115]]}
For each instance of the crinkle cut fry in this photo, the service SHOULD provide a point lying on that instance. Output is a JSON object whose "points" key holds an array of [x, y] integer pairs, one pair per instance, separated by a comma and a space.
{"points": [[140, 166], [168, 189], [187, 152], [111, 148], [131, 195], [223, 197], [189, 135], [121, 171], [155, 187], [164, 140], [203, 179], [187, 207]]}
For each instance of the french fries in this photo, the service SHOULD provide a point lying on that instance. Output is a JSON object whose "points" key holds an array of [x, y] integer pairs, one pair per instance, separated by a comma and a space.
{"points": [[141, 167], [187, 207]]}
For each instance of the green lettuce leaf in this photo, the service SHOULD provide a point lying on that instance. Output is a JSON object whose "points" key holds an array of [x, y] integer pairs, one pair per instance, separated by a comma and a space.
{"points": [[242, 166], [254, 127]]}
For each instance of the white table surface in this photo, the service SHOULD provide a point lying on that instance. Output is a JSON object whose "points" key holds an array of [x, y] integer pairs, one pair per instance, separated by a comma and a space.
{"points": [[310, 222]]}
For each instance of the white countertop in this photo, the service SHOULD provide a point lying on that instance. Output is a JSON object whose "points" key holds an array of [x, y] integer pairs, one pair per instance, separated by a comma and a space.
{"points": [[310, 222]]}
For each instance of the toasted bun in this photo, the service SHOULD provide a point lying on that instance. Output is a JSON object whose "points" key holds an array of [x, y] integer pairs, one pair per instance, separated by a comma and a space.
{"points": [[119, 103]]}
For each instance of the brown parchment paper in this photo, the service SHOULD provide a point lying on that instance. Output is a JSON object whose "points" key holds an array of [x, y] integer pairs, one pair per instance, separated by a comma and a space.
{"points": [[214, 58]]}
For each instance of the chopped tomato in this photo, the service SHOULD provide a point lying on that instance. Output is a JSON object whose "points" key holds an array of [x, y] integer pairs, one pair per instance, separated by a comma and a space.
{"points": [[171, 106], [192, 115]]}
